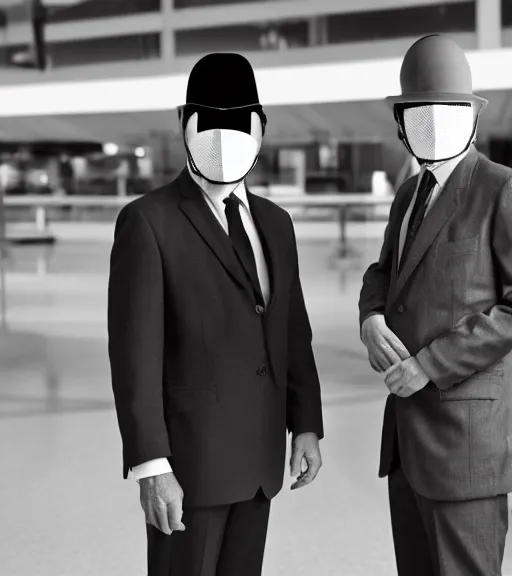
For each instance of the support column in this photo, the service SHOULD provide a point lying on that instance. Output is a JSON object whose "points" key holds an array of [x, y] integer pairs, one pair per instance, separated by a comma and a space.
{"points": [[488, 24], [317, 31], [167, 34], [3, 258]]}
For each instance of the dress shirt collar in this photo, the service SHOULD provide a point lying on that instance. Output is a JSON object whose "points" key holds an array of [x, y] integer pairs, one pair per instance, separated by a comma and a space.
{"points": [[443, 170], [218, 196]]}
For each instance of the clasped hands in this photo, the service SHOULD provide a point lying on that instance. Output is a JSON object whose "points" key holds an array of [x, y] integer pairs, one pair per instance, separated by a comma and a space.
{"points": [[387, 354]]}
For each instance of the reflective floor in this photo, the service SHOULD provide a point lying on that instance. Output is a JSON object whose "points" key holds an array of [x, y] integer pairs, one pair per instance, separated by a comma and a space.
{"points": [[66, 511]]}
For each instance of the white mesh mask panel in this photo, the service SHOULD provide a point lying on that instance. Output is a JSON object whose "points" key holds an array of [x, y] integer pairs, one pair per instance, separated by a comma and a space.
{"points": [[438, 131], [223, 155]]}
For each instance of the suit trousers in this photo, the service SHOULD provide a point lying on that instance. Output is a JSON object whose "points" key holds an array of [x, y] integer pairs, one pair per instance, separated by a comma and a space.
{"points": [[463, 538], [224, 540]]}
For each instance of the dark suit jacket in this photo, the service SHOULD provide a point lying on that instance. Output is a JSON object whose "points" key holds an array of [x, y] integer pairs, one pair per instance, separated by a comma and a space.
{"points": [[199, 374], [451, 305]]}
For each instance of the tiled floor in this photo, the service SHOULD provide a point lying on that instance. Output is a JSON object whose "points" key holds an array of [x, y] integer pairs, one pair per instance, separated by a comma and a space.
{"points": [[66, 510]]}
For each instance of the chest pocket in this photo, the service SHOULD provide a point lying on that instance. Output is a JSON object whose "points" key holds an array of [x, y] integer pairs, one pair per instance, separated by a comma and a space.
{"points": [[458, 246]]}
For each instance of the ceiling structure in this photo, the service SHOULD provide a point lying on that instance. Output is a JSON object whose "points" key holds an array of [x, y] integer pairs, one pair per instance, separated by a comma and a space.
{"points": [[7, 3], [345, 121]]}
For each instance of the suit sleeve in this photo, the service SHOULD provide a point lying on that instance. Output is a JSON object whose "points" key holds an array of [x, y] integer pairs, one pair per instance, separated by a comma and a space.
{"points": [[481, 339], [374, 292], [304, 403], [136, 338]]}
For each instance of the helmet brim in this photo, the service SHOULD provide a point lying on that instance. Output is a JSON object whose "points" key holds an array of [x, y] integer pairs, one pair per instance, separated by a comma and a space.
{"points": [[436, 97]]}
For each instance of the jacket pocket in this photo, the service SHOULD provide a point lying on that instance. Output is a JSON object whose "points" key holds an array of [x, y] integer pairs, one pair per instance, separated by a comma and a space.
{"points": [[472, 391], [181, 400], [469, 245]]}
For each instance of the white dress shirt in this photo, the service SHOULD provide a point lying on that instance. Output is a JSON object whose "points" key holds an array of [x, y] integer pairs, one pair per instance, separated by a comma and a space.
{"points": [[216, 203], [442, 171]]}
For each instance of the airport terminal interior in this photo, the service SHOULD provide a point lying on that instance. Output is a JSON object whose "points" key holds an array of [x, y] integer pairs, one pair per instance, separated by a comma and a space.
{"points": [[76, 145], [68, 512]]}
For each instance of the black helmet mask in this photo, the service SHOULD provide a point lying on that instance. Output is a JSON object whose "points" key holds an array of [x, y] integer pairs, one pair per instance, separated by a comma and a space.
{"points": [[223, 122]]}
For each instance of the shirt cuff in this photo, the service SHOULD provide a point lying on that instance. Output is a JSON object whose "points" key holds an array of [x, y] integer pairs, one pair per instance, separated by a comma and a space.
{"points": [[152, 468]]}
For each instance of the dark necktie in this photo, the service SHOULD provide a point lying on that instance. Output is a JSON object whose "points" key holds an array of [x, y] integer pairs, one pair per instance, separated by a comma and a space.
{"points": [[241, 242], [428, 181]]}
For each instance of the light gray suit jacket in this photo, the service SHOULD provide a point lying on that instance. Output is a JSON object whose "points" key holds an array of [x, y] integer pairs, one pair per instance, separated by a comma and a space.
{"points": [[451, 305]]}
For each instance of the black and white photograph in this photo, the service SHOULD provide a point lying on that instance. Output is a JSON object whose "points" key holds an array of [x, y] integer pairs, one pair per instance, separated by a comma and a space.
{"points": [[255, 287]]}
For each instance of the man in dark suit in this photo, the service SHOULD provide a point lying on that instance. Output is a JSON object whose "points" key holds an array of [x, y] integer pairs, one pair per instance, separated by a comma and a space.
{"points": [[436, 317], [210, 342]]}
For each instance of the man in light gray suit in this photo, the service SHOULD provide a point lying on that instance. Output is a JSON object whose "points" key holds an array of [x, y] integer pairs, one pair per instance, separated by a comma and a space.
{"points": [[436, 317]]}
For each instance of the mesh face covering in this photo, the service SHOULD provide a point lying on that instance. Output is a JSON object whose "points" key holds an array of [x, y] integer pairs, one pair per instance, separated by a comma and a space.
{"points": [[223, 146], [436, 132], [223, 155]]}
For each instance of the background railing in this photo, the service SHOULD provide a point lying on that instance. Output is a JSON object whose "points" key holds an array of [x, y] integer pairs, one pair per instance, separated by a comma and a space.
{"points": [[339, 203], [40, 204]]}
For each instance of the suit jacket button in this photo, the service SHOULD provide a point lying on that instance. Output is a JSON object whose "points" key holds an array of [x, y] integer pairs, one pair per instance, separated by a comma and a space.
{"points": [[259, 309], [262, 370], [400, 309]]}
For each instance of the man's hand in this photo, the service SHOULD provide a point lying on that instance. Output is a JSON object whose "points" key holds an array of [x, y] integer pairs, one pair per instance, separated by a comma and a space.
{"points": [[161, 498], [406, 378], [384, 347], [305, 448]]}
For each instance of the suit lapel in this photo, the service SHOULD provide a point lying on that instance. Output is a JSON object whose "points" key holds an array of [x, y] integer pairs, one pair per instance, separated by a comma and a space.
{"points": [[267, 234], [443, 210], [195, 208]]}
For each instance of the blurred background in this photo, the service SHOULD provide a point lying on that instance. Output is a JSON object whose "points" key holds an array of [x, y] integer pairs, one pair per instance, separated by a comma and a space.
{"points": [[88, 91]]}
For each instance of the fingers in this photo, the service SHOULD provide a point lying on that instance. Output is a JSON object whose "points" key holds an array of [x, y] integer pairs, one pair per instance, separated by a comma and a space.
{"points": [[397, 386], [378, 360], [393, 387], [394, 342], [374, 364], [391, 373], [383, 342], [382, 355], [174, 514], [166, 517], [313, 466], [389, 352], [393, 378], [397, 345], [295, 461], [156, 515], [161, 498]]}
